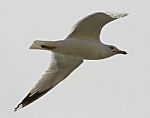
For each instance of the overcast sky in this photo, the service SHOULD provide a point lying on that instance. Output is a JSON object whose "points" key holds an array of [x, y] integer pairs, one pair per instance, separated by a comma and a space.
{"points": [[117, 87]]}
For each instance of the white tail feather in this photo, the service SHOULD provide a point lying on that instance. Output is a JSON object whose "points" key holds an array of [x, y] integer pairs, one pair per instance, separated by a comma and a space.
{"points": [[37, 44]]}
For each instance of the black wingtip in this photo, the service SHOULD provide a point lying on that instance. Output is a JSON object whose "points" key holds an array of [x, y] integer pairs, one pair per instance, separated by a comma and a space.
{"points": [[19, 106], [30, 98]]}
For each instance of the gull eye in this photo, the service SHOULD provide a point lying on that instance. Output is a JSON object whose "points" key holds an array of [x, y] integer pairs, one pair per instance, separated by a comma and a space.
{"points": [[111, 47]]}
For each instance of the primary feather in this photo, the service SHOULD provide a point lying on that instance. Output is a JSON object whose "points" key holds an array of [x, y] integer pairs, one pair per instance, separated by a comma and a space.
{"points": [[61, 66], [90, 26]]}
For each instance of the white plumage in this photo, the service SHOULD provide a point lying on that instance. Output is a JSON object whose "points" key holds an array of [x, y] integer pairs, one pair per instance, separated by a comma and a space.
{"points": [[82, 43]]}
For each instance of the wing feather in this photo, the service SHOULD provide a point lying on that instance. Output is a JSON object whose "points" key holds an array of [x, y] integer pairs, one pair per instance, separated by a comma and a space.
{"points": [[61, 66], [90, 26]]}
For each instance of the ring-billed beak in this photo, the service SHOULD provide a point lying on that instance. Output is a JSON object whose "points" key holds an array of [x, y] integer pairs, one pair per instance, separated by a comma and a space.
{"points": [[120, 52]]}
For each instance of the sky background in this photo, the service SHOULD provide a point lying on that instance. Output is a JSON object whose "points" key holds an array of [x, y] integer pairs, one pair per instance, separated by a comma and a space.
{"points": [[117, 87]]}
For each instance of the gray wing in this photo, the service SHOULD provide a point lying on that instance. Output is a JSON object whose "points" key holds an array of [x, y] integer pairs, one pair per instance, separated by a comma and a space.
{"points": [[61, 66], [90, 26]]}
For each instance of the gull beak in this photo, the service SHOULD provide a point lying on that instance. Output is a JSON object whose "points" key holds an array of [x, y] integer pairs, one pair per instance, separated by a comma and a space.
{"points": [[120, 52]]}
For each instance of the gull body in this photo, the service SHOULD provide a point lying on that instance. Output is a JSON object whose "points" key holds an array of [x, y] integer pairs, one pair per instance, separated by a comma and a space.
{"points": [[82, 43], [84, 49]]}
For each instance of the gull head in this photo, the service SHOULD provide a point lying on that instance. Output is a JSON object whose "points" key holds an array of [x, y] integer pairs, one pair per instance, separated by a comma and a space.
{"points": [[110, 50], [114, 50]]}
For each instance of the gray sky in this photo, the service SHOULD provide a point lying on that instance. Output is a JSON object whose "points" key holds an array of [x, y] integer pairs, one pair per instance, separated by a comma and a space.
{"points": [[118, 87]]}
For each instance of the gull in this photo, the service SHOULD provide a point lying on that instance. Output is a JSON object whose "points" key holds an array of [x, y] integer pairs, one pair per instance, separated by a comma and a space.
{"points": [[83, 43]]}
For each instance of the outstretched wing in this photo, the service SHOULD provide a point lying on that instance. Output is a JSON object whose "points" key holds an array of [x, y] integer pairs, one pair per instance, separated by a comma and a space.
{"points": [[60, 68], [90, 26]]}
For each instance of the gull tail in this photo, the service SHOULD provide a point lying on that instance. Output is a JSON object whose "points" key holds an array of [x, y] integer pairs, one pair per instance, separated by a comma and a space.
{"points": [[44, 45]]}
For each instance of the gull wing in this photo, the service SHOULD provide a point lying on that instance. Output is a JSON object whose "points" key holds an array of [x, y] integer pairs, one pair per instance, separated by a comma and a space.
{"points": [[61, 66], [90, 26]]}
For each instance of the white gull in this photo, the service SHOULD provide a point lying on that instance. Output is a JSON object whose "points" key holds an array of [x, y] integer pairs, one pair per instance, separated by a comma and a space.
{"points": [[82, 43]]}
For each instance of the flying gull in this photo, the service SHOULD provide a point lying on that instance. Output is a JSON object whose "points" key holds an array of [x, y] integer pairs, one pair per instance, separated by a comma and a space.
{"points": [[82, 43]]}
